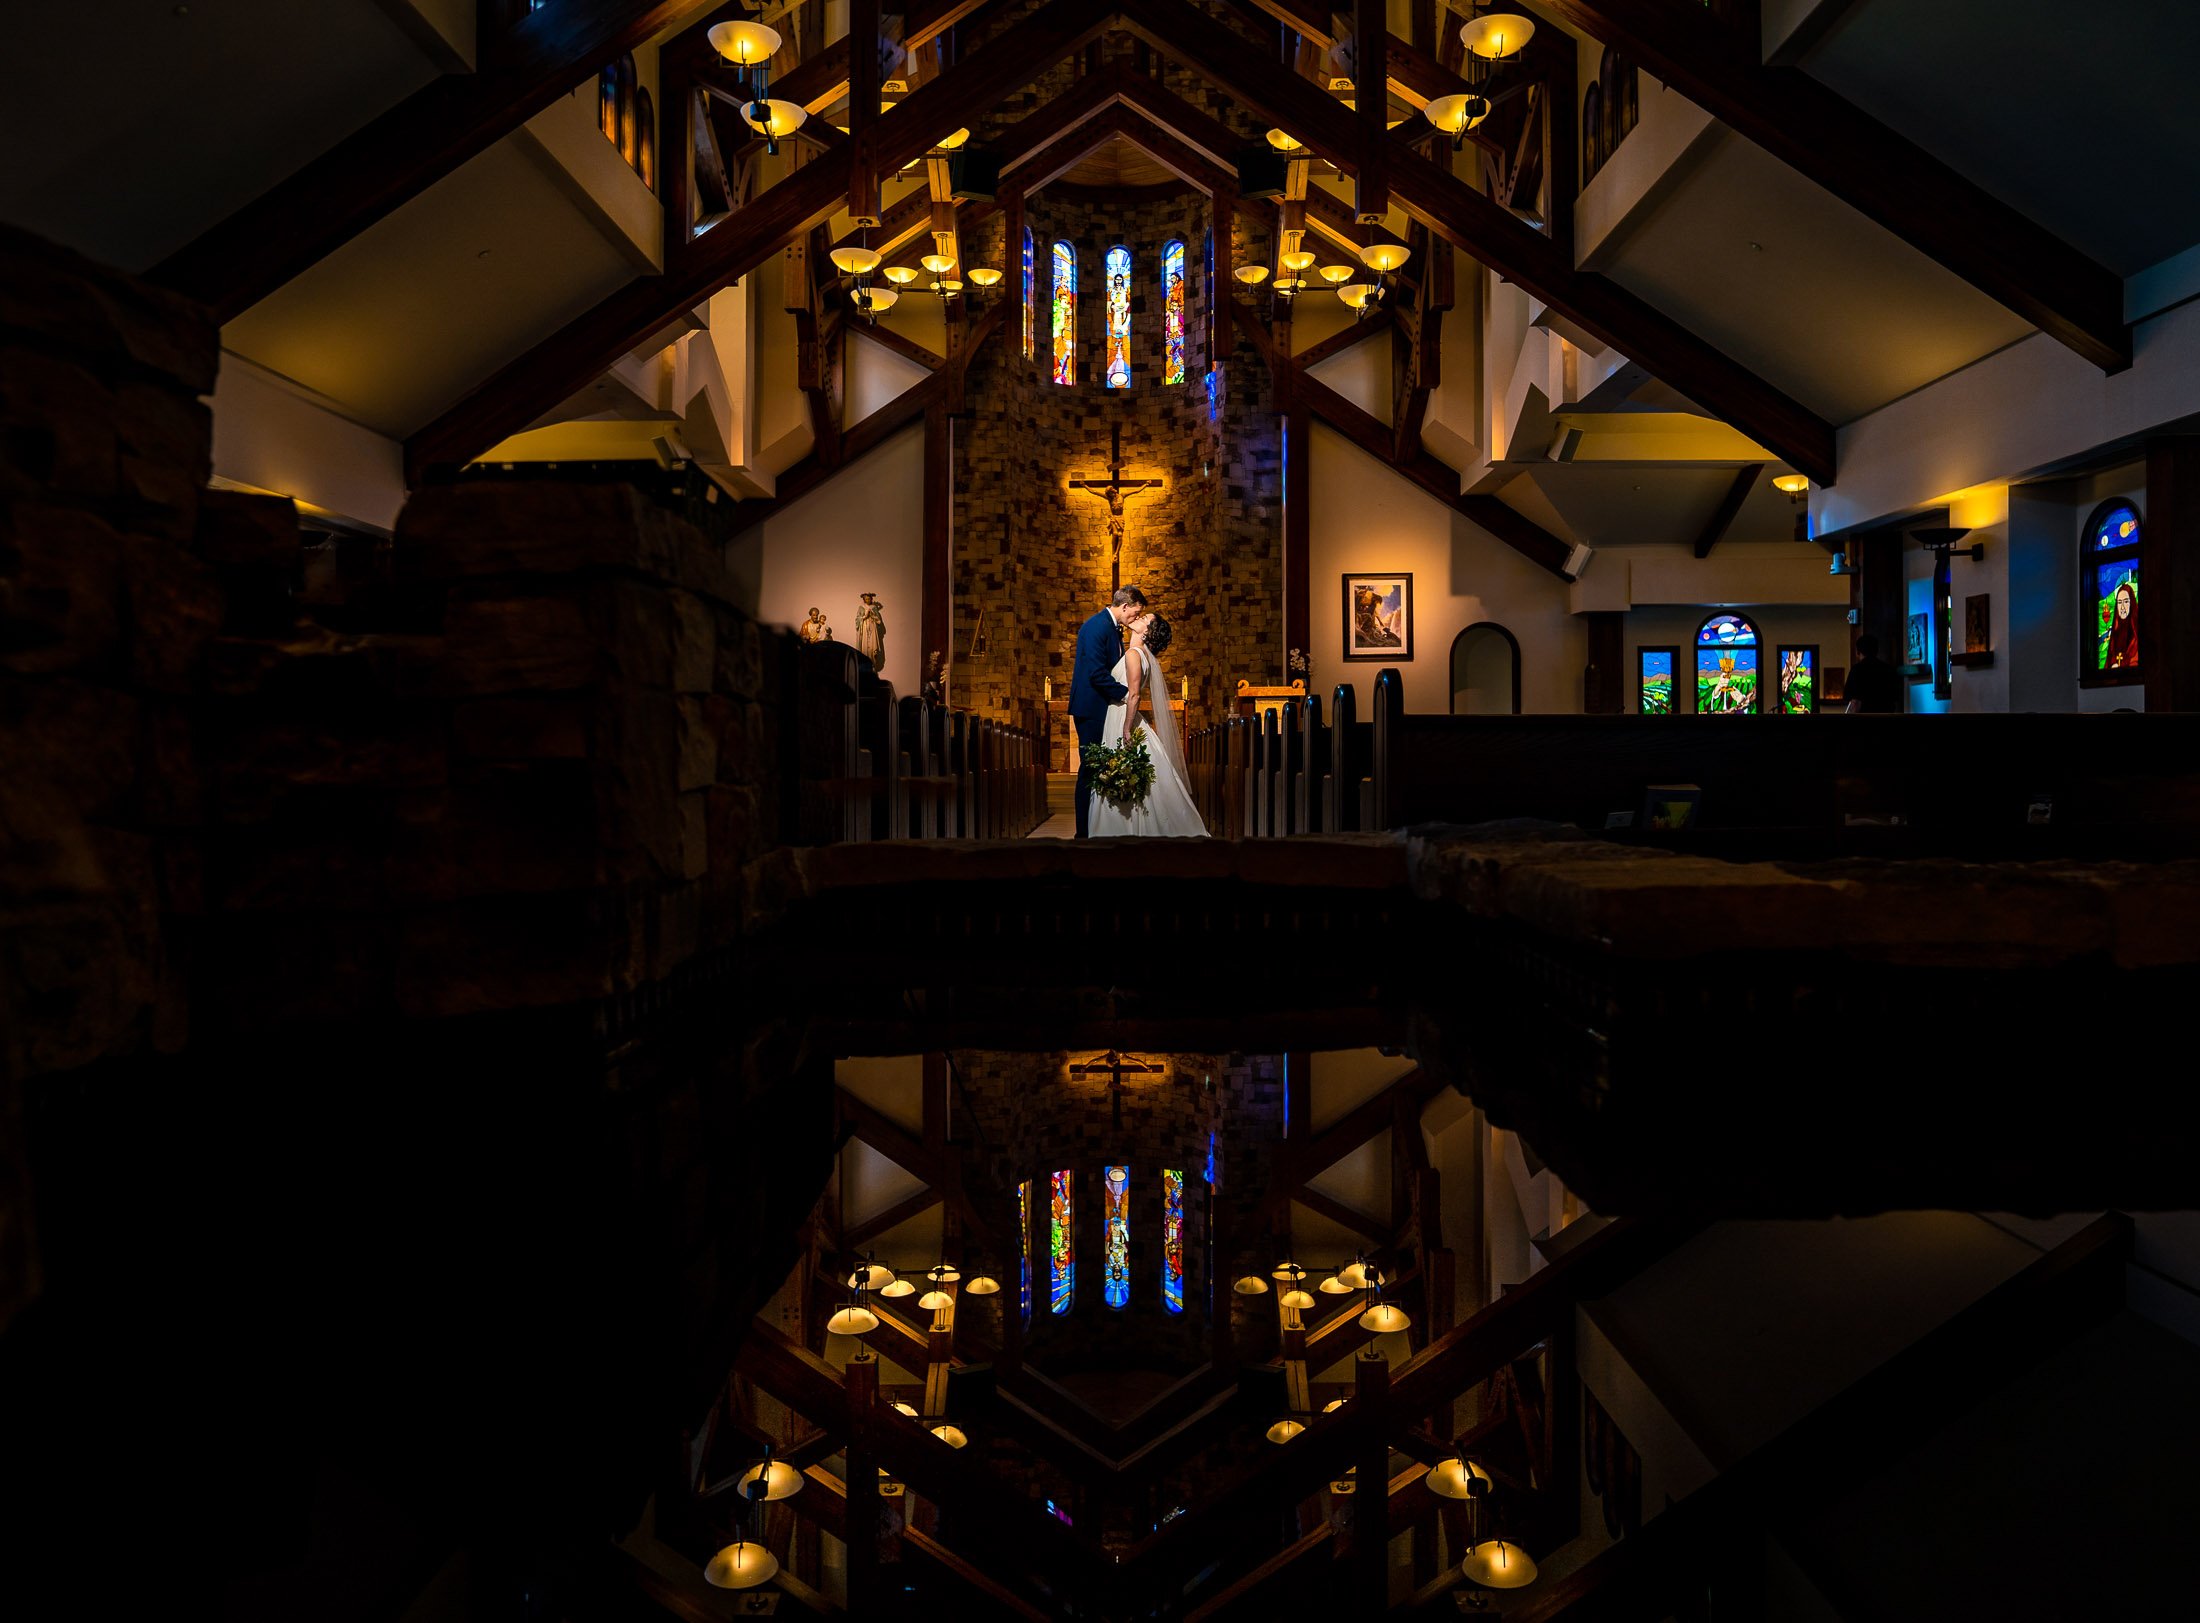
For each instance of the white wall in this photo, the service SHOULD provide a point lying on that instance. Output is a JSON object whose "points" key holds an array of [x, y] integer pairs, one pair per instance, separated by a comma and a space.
{"points": [[2043, 533], [274, 435], [1366, 517], [861, 531]]}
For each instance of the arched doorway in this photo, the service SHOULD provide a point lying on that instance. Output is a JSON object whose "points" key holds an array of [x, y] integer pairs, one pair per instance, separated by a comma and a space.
{"points": [[1485, 671]]}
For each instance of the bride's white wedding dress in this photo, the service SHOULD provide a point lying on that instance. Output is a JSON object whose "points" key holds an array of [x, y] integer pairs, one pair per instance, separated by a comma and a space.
{"points": [[1168, 810]]}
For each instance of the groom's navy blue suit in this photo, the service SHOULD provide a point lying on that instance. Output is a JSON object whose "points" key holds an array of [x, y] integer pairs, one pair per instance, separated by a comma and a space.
{"points": [[1092, 688]]}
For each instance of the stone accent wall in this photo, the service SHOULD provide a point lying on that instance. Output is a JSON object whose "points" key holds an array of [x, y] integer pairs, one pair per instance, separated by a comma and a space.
{"points": [[1032, 557]]}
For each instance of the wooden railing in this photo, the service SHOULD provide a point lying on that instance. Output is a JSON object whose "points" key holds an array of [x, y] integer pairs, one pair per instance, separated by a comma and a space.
{"points": [[869, 765], [1995, 781]]}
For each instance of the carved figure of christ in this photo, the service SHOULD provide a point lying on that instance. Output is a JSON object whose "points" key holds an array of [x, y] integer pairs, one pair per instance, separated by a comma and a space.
{"points": [[1113, 490]]}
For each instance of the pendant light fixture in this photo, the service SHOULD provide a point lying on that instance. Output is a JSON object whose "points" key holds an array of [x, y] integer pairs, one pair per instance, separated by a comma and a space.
{"points": [[1285, 1429], [1459, 1478], [1496, 36], [982, 1284], [870, 1274], [855, 1319], [1250, 1285], [1288, 1271], [1381, 1318], [869, 302], [741, 1564], [985, 277], [900, 275], [1497, 1564], [1458, 113], [769, 1479], [952, 1436], [855, 261], [749, 47], [773, 119]]}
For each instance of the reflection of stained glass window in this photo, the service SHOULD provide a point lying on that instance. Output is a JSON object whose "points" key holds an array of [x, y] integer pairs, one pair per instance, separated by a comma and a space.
{"points": [[1172, 1241], [1023, 1212], [1117, 1289], [1654, 674], [1726, 666], [1031, 298], [2112, 587], [1065, 313], [1119, 318], [1172, 310], [1063, 1254]]}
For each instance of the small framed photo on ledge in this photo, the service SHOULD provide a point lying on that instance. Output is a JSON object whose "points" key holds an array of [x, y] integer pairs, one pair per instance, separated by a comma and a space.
{"points": [[1378, 617]]}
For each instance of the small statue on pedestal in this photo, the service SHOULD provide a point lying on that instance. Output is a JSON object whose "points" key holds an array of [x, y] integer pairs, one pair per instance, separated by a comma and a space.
{"points": [[871, 631], [814, 629]]}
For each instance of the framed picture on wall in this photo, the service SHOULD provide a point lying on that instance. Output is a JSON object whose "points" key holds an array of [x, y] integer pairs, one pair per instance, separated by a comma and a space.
{"points": [[1378, 617], [1654, 668], [1798, 668]]}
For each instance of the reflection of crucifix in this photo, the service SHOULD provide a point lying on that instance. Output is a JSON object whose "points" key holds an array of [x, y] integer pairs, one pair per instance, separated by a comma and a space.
{"points": [[1115, 1065], [1112, 490]]}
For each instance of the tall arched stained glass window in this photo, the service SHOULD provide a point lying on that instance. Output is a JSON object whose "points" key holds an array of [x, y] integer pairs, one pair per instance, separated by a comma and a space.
{"points": [[1172, 310], [1062, 1254], [1031, 298], [1727, 651], [1065, 313], [1116, 1288], [1172, 1241], [1119, 318], [2108, 594], [1023, 1212]]}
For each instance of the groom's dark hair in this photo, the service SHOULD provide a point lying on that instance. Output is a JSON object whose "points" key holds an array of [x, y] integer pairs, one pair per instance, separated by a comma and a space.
{"points": [[1125, 596]]}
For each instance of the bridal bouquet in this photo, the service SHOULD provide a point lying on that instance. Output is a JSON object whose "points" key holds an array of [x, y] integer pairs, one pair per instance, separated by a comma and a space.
{"points": [[1122, 774]]}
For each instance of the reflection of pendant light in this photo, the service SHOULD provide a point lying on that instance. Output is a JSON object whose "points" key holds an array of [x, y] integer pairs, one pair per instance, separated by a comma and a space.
{"points": [[770, 1479], [983, 1285], [1250, 1285], [1495, 1564], [905, 1409], [1283, 141], [952, 1436], [1334, 1404], [741, 1565], [1284, 1430]]}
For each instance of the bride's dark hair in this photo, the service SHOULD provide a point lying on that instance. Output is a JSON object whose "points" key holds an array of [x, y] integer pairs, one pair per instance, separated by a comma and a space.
{"points": [[1157, 634]]}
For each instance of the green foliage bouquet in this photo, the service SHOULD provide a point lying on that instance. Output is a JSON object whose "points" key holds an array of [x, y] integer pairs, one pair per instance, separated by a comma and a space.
{"points": [[1122, 774]]}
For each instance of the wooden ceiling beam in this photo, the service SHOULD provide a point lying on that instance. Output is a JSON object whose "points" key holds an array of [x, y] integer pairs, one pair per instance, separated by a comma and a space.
{"points": [[571, 358], [1881, 174], [1729, 508], [1486, 230], [395, 157]]}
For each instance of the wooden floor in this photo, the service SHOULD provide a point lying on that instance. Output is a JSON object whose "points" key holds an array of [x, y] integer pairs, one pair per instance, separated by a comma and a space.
{"points": [[1061, 823]]}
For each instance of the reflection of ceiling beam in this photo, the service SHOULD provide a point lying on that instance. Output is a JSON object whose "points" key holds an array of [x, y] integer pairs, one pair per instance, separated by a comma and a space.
{"points": [[1881, 174], [1489, 233], [392, 159]]}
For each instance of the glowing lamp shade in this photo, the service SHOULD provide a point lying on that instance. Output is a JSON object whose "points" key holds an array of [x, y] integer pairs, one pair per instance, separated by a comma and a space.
{"points": [[852, 1321], [1333, 274], [1457, 114], [985, 276], [937, 263], [858, 262], [1283, 141], [775, 1478], [774, 117], [1288, 284], [1358, 1275], [905, 1409], [1385, 256], [949, 143], [1298, 259], [949, 288], [1336, 1285], [743, 43], [1284, 1430], [1297, 1298], [1333, 1405], [902, 276], [933, 1301], [943, 1273], [952, 1436], [1453, 1479], [1251, 275], [1382, 1320], [1287, 1270], [983, 1285], [1792, 484], [1495, 1564], [1251, 1285], [741, 1566], [1496, 35], [873, 300], [1357, 294]]}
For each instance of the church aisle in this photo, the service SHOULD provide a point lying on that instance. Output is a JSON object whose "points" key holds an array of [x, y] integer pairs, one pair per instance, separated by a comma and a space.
{"points": [[1061, 823]]}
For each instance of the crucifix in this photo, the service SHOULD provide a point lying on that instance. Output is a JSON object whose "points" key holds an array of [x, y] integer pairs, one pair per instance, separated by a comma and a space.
{"points": [[1112, 490], [1114, 1064]]}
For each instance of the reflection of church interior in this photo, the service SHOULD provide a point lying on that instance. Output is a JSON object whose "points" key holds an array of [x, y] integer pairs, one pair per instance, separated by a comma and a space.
{"points": [[558, 1057]]}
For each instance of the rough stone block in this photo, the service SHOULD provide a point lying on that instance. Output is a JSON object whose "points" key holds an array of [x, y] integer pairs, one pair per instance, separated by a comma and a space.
{"points": [[546, 729], [243, 531], [514, 645], [75, 305], [175, 609], [60, 590], [57, 428], [80, 738], [165, 443], [695, 644], [698, 745], [740, 658], [637, 786], [481, 956], [694, 834]]}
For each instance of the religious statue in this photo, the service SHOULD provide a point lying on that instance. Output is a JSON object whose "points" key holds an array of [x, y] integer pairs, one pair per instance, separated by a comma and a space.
{"points": [[814, 629], [871, 631], [1112, 490], [935, 678]]}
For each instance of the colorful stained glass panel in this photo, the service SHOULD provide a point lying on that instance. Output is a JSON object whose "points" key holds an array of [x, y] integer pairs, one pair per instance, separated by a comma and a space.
{"points": [[1119, 318], [1116, 1289], [2116, 616], [1023, 1213], [1062, 1253], [1726, 681], [1065, 313], [1172, 1241], [1031, 299], [1798, 681], [1657, 681], [2118, 527], [1172, 310]]}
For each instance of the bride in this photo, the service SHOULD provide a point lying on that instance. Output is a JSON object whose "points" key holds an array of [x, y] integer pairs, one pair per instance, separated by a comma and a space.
{"points": [[1168, 809]]}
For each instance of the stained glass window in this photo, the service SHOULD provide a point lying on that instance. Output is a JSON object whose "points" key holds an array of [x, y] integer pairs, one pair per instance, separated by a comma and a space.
{"points": [[1062, 1255], [1023, 1212], [1065, 313], [2110, 588], [1172, 310], [1727, 646], [1119, 318], [1654, 680], [1031, 298], [1798, 681], [1117, 1287], [1172, 1241]]}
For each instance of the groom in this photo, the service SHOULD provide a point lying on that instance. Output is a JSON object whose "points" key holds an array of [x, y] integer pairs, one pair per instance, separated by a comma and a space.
{"points": [[1092, 685]]}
